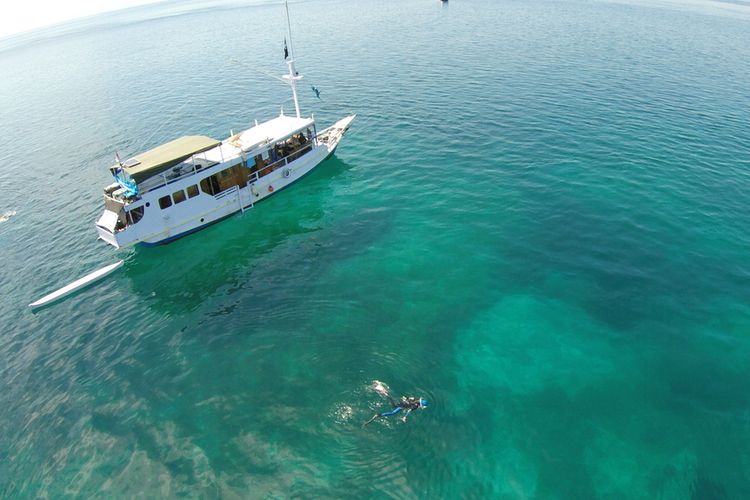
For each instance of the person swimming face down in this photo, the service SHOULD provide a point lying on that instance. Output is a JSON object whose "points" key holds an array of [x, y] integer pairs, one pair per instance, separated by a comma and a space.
{"points": [[405, 404]]}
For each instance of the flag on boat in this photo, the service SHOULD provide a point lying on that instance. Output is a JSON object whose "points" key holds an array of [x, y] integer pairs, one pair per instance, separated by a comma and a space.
{"points": [[130, 188], [286, 51]]}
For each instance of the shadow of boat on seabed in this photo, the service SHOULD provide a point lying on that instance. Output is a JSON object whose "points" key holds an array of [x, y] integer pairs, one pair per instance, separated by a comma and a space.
{"points": [[260, 245]]}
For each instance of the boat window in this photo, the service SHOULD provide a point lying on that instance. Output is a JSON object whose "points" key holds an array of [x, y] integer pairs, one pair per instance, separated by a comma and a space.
{"points": [[192, 191], [178, 196], [210, 185], [135, 215], [165, 202]]}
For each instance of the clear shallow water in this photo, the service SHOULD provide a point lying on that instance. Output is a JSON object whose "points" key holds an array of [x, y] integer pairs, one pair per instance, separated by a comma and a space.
{"points": [[539, 221]]}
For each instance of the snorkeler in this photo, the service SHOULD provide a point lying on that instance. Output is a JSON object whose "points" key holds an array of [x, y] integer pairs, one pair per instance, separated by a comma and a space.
{"points": [[406, 404]]}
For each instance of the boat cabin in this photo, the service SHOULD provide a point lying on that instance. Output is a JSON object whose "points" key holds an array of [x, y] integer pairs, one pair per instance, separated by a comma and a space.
{"points": [[241, 159]]}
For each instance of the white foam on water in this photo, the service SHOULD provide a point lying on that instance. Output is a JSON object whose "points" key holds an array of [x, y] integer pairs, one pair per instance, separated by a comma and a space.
{"points": [[342, 413], [7, 215], [380, 387]]}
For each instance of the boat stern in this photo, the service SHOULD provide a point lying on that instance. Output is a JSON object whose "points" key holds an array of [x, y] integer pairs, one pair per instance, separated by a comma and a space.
{"points": [[106, 227], [110, 231]]}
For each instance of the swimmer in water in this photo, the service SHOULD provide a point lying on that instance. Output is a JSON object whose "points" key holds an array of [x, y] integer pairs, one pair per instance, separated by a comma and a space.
{"points": [[405, 404]]}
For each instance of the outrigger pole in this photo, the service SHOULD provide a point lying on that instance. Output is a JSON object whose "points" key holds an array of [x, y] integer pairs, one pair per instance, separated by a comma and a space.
{"points": [[293, 76]]}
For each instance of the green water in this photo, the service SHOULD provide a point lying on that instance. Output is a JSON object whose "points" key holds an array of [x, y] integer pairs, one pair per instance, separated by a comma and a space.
{"points": [[539, 221]]}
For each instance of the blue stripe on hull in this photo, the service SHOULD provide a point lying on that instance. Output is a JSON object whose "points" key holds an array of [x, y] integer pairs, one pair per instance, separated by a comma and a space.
{"points": [[196, 229]]}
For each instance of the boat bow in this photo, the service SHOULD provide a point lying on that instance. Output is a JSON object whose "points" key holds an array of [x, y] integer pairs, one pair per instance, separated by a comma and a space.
{"points": [[333, 134]]}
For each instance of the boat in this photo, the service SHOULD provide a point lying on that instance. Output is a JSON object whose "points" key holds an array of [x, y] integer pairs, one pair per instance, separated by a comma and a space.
{"points": [[76, 285], [191, 182]]}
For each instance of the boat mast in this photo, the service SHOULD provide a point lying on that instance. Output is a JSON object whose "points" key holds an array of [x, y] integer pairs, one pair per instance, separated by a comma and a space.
{"points": [[293, 76]]}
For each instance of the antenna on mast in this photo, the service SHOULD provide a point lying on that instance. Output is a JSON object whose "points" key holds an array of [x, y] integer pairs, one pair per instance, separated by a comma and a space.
{"points": [[293, 76], [289, 27]]}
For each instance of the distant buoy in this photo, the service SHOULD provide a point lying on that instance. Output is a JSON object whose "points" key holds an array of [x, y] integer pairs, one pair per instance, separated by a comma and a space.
{"points": [[270, 188]]}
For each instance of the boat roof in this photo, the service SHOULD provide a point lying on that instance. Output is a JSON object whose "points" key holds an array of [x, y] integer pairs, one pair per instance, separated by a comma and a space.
{"points": [[161, 158], [272, 130]]}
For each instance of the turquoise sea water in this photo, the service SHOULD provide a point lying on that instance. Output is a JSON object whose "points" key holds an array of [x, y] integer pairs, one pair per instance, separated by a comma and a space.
{"points": [[539, 221]]}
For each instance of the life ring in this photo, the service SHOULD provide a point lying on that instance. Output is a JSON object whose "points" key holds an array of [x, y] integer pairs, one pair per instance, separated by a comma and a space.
{"points": [[270, 188], [286, 173]]}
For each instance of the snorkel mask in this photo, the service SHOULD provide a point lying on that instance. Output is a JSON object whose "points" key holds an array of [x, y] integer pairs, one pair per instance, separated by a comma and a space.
{"points": [[423, 403]]}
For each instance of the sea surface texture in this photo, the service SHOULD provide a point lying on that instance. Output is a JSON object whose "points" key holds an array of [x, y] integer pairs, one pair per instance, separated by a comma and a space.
{"points": [[540, 221]]}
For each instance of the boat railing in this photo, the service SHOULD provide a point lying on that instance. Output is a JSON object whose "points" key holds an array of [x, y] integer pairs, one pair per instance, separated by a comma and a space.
{"points": [[227, 192], [299, 152], [262, 172], [254, 176], [111, 197], [230, 192], [177, 173]]}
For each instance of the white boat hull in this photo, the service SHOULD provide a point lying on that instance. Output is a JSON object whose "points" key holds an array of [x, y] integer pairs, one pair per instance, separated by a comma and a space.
{"points": [[163, 226]]}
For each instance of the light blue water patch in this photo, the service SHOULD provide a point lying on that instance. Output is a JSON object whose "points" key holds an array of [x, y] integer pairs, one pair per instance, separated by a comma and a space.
{"points": [[524, 344]]}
